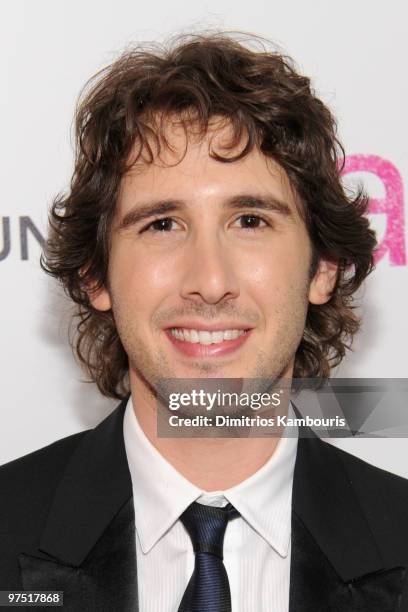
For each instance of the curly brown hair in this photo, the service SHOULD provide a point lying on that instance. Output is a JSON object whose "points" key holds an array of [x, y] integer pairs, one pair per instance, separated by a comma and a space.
{"points": [[268, 102]]}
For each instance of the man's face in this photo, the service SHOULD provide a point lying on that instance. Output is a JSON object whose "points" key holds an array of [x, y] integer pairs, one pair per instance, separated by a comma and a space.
{"points": [[226, 262]]}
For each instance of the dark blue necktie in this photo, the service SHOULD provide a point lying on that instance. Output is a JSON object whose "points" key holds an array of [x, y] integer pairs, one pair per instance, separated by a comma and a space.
{"points": [[208, 589]]}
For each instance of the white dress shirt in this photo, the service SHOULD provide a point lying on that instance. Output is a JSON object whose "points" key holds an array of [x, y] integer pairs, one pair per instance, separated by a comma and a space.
{"points": [[257, 545]]}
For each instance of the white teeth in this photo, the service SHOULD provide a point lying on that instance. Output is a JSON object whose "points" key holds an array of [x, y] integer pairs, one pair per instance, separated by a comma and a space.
{"points": [[218, 336], [194, 337], [206, 337]]}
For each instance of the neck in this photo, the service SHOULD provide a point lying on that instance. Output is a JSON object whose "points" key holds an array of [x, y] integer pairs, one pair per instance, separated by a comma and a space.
{"points": [[211, 464]]}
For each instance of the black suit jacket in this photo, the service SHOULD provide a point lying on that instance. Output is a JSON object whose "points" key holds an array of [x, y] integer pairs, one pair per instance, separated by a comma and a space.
{"points": [[67, 524]]}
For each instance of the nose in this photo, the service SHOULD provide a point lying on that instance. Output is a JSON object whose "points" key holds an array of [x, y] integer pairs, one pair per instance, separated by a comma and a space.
{"points": [[210, 271]]}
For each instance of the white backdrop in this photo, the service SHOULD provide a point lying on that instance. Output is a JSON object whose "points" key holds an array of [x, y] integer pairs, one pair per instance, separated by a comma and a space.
{"points": [[356, 54]]}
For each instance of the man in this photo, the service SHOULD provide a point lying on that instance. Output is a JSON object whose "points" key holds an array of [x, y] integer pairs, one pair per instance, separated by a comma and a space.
{"points": [[206, 235]]}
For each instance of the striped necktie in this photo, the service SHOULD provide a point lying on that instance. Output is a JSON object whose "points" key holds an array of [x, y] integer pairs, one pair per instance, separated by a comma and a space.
{"points": [[208, 589]]}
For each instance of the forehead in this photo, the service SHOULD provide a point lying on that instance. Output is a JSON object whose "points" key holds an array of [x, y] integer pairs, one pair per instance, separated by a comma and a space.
{"points": [[182, 165]]}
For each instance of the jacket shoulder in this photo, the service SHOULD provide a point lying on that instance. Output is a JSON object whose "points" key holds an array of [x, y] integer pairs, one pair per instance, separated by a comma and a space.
{"points": [[383, 498], [370, 477], [27, 487], [40, 465]]}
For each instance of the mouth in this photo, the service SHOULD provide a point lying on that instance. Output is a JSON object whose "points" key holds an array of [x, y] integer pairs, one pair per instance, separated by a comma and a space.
{"points": [[207, 343]]}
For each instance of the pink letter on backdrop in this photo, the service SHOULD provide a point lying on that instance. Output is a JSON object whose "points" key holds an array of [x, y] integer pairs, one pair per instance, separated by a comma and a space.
{"points": [[392, 205]]}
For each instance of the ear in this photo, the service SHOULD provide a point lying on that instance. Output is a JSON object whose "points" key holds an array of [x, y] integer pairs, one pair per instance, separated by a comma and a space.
{"points": [[323, 282], [100, 299]]}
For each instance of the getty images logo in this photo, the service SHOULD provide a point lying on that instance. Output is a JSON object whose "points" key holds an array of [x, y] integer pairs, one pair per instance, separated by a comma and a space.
{"points": [[26, 228]]}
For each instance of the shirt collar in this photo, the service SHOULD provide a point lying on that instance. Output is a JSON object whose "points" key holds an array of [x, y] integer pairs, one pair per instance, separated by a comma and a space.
{"points": [[264, 499], [162, 494]]}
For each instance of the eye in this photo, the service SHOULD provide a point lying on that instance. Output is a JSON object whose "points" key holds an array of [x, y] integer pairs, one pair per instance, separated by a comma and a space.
{"points": [[252, 222], [159, 225], [166, 224]]}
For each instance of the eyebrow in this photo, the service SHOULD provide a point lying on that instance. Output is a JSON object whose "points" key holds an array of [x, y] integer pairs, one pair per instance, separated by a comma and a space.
{"points": [[152, 209]]}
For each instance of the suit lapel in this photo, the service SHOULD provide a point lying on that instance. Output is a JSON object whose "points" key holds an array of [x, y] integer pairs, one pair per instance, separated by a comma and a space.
{"points": [[87, 548], [335, 564]]}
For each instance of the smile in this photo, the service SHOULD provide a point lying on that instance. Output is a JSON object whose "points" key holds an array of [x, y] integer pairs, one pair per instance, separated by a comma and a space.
{"points": [[203, 343], [206, 337]]}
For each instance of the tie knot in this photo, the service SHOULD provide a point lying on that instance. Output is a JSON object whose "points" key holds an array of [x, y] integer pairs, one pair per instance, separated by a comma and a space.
{"points": [[206, 526]]}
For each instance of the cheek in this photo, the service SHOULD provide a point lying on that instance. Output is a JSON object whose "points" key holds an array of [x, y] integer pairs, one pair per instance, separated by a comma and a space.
{"points": [[278, 285], [140, 280], [280, 269]]}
